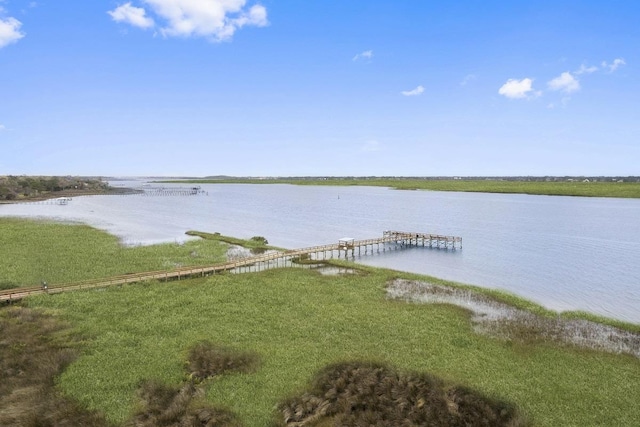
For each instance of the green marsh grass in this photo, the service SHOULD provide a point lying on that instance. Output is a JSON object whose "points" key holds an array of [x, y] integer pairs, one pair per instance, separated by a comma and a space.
{"points": [[33, 251], [298, 322], [256, 243], [34, 349]]}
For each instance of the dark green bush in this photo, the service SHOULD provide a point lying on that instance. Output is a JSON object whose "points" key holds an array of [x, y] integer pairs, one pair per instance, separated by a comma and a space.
{"points": [[368, 394], [207, 360]]}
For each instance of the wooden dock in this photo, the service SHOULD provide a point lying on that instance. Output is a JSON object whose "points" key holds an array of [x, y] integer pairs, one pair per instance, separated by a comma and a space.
{"points": [[344, 248]]}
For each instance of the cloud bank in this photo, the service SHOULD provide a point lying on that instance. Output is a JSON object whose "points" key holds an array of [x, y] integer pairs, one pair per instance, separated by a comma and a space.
{"points": [[215, 20]]}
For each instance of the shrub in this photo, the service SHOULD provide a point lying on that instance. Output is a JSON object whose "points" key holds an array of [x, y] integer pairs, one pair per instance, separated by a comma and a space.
{"points": [[260, 240], [207, 360], [358, 394], [165, 406]]}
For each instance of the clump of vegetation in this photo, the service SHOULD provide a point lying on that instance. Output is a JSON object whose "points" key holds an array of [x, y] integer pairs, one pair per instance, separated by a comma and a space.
{"points": [[255, 242], [260, 240], [166, 406], [180, 406], [208, 360], [34, 349], [359, 394]]}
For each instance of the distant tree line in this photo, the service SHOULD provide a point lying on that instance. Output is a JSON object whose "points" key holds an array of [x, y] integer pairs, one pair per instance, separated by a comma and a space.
{"points": [[25, 187]]}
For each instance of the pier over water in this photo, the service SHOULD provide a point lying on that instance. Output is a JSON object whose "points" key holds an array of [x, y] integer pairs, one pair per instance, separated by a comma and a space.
{"points": [[346, 247]]}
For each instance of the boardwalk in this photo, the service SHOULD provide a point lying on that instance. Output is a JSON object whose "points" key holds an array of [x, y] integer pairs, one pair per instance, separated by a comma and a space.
{"points": [[344, 248]]}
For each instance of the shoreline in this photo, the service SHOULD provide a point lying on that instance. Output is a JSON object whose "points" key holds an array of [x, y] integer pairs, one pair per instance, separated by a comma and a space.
{"points": [[609, 189], [506, 297], [69, 193]]}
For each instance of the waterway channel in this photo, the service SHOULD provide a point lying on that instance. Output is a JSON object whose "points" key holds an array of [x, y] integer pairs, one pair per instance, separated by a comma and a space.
{"points": [[566, 253]]}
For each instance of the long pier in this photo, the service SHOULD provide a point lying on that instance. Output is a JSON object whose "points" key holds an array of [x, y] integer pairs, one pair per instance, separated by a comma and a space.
{"points": [[345, 247]]}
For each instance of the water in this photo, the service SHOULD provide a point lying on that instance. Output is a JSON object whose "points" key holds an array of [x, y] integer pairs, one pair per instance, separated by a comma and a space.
{"points": [[566, 253]]}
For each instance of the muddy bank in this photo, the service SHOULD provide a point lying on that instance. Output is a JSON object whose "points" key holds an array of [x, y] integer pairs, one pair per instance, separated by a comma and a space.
{"points": [[494, 318]]}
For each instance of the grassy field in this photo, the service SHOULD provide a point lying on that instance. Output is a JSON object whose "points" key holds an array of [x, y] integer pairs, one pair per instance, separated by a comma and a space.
{"points": [[584, 189], [295, 322], [298, 321], [33, 251]]}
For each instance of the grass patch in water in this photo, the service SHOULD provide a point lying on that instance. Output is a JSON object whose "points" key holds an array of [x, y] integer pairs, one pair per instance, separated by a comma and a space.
{"points": [[257, 244]]}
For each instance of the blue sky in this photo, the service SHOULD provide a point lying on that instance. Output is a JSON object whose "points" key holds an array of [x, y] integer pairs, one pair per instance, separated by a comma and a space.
{"points": [[284, 87]]}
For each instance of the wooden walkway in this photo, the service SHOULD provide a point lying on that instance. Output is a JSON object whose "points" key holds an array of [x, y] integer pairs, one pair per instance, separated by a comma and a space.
{"points": [[345, 247]]}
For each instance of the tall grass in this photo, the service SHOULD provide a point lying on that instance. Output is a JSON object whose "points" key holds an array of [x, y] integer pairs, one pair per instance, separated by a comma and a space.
{"points": [[299, 321], [36, 251]]}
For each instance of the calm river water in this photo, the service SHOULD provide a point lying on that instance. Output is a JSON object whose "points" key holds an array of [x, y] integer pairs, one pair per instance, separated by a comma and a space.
{"points": [[566, 253]]}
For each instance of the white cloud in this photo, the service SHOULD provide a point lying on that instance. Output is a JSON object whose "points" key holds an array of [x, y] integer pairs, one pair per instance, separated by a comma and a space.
{"points": [[216, 20], [617, 63], [586, 70], [564, 82], [367, 54], [2, 127], [415, 92], [10, 31], [128, 14], [467, 79], [518, 89]]}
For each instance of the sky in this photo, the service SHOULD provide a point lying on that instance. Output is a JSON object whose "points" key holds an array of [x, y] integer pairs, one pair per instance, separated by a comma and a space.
{"points": [[319, 88]]}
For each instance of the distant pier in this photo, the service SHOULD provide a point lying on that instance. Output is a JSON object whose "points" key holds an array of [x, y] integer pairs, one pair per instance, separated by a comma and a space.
{"points": [[170, 191], [346, 247]]}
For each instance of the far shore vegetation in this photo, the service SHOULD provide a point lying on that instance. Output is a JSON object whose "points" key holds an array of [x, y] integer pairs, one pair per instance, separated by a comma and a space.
{"points": [[622, 187], [33, 188], [287, 346]]}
